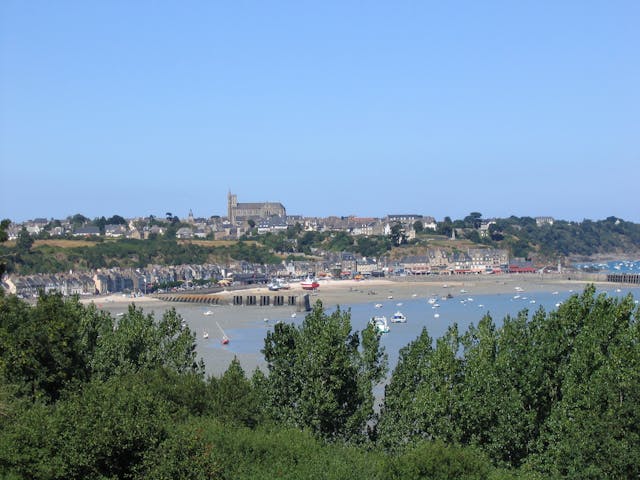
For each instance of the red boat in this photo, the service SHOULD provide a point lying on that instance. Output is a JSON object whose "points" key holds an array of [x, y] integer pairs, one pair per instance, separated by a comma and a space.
{"points": [[309, 284], [224, 340]]}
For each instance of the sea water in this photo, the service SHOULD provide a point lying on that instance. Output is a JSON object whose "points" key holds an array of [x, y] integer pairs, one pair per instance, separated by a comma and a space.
{"points": [[247, 327]]}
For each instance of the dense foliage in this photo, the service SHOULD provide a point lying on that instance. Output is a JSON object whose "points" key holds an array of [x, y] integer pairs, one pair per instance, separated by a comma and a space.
{"points": [[524, 238], [130, 253], [321, 375], [556, 394], [552, 396]]}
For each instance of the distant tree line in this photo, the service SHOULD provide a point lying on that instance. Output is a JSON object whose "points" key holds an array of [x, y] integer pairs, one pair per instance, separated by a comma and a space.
{"points": [[524, 238], [552, 396]]}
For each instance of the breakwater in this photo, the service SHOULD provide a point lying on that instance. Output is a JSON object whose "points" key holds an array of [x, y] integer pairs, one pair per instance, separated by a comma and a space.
{"points": [[630, 278], [299, 302]]}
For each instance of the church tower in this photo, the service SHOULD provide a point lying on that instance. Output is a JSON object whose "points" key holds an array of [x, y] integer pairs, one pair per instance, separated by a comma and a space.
{"points": [[232, 205]]}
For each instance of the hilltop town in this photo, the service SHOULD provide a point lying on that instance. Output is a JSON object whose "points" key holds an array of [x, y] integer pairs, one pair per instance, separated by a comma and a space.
{"points": [[291, 247]]}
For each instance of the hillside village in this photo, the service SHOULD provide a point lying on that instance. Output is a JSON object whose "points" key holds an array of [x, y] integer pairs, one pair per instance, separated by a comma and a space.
{"points": [[244, 220]]}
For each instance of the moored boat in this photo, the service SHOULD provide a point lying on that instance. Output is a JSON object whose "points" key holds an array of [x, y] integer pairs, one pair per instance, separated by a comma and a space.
{"points": [[309, 284], [398, 317], [380, 323]]}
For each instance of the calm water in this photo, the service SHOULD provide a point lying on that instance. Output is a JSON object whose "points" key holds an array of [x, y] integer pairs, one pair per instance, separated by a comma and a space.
{"points": [[247, 337]]}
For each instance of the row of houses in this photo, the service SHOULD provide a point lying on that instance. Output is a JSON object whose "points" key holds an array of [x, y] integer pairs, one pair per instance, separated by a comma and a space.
{"points": [[339, 265], [105, 281]]}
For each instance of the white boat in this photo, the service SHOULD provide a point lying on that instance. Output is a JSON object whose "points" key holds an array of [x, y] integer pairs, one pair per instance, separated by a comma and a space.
{"points": [[437, 315], [398, 317], [205, 334], [432, 300], [293, 315], [378, 305], [380, 323], [208, 312], [390, 297]]}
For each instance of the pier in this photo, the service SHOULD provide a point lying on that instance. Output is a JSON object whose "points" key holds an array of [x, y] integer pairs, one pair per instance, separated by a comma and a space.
{"points": [[300, 302], [630, 278]]}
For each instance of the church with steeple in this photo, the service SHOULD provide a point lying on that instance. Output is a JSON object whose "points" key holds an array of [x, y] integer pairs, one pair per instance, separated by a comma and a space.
{"points": [[241, 212]]}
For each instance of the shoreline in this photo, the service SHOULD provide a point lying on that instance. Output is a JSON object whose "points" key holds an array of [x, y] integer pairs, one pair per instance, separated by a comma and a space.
{"points": [[342, 292]]}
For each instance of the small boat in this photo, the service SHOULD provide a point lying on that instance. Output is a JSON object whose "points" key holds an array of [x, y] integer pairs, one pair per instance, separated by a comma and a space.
{"points": [[437, 315], [378, 305], [205, 334], [380, 323], [432, 300], [390, 297], [399, 304], [309, 284], [224, 340], [208, 312], [293, 315], [398, 317]]}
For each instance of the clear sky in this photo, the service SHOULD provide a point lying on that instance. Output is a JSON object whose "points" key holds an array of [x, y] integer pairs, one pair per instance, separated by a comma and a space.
{"points": [[330, 107]]}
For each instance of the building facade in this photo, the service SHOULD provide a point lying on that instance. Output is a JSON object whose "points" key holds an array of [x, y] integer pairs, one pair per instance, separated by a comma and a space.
{"points": [[238, 212]]}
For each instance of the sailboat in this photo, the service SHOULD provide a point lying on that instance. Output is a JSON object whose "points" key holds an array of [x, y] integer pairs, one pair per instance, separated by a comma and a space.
{"points": [[224, 339], [205, 334]]}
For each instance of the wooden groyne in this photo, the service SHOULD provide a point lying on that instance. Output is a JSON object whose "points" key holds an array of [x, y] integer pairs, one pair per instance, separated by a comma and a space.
{"points": [[631, 278], [300, 302]]}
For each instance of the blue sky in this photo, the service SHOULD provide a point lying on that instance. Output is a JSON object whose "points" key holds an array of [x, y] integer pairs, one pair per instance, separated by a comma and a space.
{"points": [[332, 108]]}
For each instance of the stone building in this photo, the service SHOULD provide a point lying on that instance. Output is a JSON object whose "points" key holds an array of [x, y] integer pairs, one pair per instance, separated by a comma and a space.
{"points": [[238, 212]]}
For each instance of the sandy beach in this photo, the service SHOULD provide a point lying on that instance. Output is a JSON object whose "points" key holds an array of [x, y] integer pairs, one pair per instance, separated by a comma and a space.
{"points": [[343, 292]]}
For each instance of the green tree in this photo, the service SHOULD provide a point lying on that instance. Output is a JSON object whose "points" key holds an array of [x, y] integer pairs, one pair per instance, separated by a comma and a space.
{"points": [[24, 242], [320, 378], [396, 426], [137, 342], [102, 431], [340, 242], [233, 397], [398, 235], [78, 220], [3, 238], [101, 223], [593, 428], [46, 348], [473, 220], [116, 220]]}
